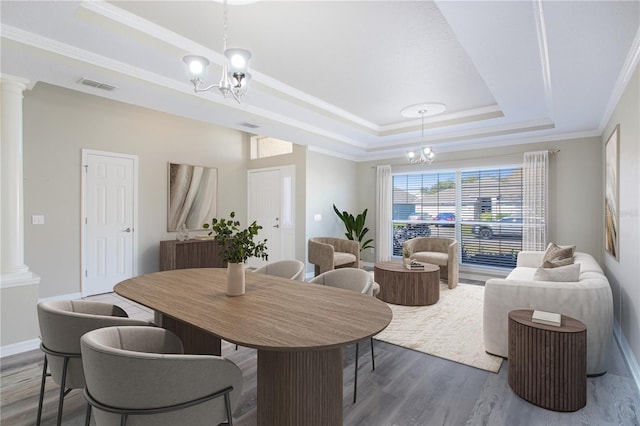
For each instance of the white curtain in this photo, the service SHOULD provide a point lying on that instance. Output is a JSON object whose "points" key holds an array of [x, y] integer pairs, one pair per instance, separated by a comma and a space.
{"points": [[383, 213], [534, 206]]}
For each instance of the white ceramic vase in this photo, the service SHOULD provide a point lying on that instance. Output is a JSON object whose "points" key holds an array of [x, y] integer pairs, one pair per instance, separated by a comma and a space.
{"points": [[235, 279]]}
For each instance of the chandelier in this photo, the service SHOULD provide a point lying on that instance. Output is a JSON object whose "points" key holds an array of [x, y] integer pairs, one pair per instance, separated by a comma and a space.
{"points": [[235, 77], [424, 154]]}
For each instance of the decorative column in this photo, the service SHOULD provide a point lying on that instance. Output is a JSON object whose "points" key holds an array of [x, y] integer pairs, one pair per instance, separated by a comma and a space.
{"points": [[19, 286]]}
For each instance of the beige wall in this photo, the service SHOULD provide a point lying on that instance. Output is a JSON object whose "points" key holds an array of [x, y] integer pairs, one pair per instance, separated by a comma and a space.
{"points": [[624, 273], [59, 123], [330, 181], [19, 314]]}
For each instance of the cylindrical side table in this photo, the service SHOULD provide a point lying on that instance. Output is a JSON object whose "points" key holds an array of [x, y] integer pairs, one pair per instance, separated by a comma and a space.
{"points": [[548, 364], [402, 286]]}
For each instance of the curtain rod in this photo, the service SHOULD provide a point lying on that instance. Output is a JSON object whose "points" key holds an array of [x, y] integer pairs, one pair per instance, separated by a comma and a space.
{"points": [[550, 151]]}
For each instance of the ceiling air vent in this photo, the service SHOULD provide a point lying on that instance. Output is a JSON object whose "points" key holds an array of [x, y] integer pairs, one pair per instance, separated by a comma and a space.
{"points": [[249, 125], [96, 84]]}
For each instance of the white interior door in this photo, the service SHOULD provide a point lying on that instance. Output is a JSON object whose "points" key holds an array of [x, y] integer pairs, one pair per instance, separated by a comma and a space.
{"points": [[109, 216], [271, 205]]}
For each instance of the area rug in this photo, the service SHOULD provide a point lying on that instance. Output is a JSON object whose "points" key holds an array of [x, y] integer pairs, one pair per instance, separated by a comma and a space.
{"points": [[449, 329]]}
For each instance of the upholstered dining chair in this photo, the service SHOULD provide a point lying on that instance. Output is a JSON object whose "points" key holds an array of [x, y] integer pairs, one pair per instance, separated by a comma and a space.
{"points": [[292, 269], [62, 323], [357, 280], [140, 374]]}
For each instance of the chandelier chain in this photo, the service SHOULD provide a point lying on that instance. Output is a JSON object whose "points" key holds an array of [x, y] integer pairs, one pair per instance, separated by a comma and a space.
{"points": [[224, 39]]}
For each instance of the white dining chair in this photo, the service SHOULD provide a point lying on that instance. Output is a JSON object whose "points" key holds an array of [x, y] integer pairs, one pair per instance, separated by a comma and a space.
{"points": [[292, 269], [141, 374], [62, 323], [356, 280]]}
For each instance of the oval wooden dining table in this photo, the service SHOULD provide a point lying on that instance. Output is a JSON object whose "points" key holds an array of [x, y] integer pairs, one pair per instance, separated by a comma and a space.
{"points": [[299, 330]]}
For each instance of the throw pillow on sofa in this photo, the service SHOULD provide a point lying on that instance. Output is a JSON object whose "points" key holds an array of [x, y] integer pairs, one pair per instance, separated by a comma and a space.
{"points": [[569, 273], [557, 256]]}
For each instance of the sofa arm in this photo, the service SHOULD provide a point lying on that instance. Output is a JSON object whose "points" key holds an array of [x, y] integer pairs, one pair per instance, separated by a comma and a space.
{"points": [[530, 259]]}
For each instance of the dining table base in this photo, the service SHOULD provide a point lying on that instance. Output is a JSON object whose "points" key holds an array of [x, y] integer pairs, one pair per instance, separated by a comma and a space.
{"points": [[194, 340], [300, 387]]}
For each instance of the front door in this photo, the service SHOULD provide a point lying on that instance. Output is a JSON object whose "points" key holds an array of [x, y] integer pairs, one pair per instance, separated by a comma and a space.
{"points": [[109, 220], [271, 205]]}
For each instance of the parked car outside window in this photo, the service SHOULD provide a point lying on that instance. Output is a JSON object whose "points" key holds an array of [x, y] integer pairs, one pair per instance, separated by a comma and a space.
{"points": [[419, 216], [447, 216], [417, 221], [510, 226]]}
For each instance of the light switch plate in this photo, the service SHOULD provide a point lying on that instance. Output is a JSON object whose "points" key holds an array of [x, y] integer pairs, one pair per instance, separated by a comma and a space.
{"points": [[37, 219]]}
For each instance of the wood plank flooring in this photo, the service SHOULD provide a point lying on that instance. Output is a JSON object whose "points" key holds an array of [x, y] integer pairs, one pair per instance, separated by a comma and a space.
{"points": [[407, 388]]}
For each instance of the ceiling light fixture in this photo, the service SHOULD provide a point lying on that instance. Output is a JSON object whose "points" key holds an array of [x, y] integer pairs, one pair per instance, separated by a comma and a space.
{"points": [[424, 154], [235, 76]]}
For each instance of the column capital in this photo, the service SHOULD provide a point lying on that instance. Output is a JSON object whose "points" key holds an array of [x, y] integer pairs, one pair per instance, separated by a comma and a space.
{"points": [[23, 83]]}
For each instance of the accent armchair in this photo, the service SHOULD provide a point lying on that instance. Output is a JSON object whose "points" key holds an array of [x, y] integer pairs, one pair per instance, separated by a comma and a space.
{"points": [[327, 253], [436, 251]]}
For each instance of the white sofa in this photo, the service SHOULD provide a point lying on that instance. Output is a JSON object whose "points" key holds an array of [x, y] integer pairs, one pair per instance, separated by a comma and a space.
{"points": [[589, 300]]}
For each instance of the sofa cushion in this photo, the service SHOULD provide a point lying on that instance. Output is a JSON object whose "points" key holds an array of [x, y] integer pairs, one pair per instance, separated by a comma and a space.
{"points": [[522, 273], [569, 273], [556, 256], [340, 258], [432, 257]]}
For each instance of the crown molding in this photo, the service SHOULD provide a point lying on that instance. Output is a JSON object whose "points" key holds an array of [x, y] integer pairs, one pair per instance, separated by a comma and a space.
{"points": [[628, 68]]}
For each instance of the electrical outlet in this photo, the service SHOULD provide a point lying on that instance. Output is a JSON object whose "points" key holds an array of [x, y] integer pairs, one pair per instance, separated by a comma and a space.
{"points": [[37, 219]]}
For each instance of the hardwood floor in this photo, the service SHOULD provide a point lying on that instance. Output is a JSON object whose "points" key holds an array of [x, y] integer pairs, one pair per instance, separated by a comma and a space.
{"points": [[407, 388]]}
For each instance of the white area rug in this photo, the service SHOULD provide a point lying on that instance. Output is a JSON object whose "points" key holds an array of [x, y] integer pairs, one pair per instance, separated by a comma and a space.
{"points": [[449, 329]]}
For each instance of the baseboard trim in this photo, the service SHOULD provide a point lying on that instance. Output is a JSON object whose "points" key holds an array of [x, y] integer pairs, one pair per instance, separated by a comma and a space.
{"points": [[627, 354], [20, 347]]}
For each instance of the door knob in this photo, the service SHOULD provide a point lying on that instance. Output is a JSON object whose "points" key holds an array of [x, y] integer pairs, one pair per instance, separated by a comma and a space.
{"points": [[127, 230], [276, 226]]}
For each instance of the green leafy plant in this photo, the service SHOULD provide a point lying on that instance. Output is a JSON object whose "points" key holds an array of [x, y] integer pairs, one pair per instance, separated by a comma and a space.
{"points": [[354, 225], [237, 244]]}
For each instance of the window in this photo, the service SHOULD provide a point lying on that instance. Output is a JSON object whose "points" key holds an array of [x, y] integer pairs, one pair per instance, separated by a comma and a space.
{"points": [[480, 208], [262, 147]]}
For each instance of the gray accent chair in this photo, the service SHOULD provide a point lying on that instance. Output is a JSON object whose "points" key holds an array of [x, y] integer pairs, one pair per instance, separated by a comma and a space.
{"points": [[140, 376], [442, 252], [356, 280], [292, 269], [62, 323], [327, 253]]}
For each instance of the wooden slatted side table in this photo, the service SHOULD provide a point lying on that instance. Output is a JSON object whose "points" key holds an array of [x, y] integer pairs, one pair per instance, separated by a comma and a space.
{"points": [[548, 364]]}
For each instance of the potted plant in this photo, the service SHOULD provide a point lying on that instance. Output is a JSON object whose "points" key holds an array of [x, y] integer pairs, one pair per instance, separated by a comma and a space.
{"points": [[237, 245], [354, 225], [406, 255]]}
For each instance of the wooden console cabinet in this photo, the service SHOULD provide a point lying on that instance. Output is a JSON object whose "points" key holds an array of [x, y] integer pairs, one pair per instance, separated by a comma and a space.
{"points": [[176, 254]]}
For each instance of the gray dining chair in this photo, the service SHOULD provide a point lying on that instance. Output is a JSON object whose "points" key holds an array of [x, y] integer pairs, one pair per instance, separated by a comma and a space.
{"points": [[356, 280], [141, 374], [292, 269], [62, 323]]}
